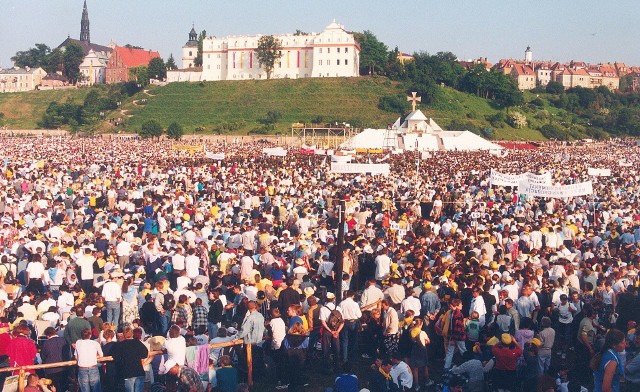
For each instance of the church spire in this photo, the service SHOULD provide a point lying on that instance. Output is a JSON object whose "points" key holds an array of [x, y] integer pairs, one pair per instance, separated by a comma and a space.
{"points": [[84, 25]]}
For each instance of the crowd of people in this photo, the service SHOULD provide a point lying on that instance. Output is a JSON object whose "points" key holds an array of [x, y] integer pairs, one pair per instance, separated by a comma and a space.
{"points": [[155, 268]]}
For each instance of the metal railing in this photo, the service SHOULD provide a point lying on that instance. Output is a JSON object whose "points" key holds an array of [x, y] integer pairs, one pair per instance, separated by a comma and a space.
{"points": [[22, 369]]}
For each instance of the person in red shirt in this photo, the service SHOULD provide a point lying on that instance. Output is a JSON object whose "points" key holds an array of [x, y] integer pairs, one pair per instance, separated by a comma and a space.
{"points": [[5, 339], [506, 353], [22, 350]]}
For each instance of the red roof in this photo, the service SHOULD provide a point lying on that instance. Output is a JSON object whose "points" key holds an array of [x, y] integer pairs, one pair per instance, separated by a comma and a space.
{"points": [[135, 57]]}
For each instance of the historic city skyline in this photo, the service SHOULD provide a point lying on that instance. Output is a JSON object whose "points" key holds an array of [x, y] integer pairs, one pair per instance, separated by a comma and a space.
{"points": [[590, 31]]}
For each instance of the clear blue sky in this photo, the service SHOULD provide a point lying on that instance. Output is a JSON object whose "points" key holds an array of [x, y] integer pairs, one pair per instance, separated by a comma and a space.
{"points": [[592, 31]]}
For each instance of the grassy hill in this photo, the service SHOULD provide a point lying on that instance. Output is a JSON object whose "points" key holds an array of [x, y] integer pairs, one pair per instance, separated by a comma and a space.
{"points": [[242, 105], [24, 110]]}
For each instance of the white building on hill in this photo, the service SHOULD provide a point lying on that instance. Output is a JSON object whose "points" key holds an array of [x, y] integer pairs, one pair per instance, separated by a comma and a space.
{"points": [[332, 53]]}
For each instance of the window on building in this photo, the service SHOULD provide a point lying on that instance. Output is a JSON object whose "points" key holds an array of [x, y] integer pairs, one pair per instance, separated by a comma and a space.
{"points": [[328, 62], [218, 66], [346, 62], [346, 50], [320, 50], [328, 50], [190, 54], [208, 55], [337, 62], [338, 49], [208, 66]]}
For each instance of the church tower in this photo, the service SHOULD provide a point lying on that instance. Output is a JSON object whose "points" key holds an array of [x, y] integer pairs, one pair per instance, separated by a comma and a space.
{"points": [[84, 25], [528, 55], [190, 49]]}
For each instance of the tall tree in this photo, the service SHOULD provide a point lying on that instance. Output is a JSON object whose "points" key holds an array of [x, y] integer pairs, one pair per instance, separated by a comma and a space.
{"points": [[151, 128], [373, 53], [201, 37], [54, 61], [171, 63], [139, 74], [268, 52], [32, 57], [157, 69], [175, 131], [73, 56]]}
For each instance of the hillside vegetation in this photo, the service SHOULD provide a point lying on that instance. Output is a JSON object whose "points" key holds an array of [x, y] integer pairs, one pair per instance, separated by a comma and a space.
{"points": [[25, 110]]}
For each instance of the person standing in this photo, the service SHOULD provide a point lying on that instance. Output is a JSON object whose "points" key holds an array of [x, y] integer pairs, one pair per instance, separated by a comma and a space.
{"points": [[349, 335], [55, 349], [77, 324], [456, 334], [128, 356], [390, 326], [607, 366], [85, 262], [332, 324], [22, 350], [112, 293], [87, 352]]}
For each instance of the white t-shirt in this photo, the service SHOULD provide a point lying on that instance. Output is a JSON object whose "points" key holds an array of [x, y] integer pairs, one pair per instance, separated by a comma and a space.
{"points": [[176, 349], [87, 352], [35, 270], [383, 267], [191, 265]]}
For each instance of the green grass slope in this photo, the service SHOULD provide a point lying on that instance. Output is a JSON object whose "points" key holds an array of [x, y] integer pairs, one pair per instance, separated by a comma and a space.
{"points": [[25, 110]]}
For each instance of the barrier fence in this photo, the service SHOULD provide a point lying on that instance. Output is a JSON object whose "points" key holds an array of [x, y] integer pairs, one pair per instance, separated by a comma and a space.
{"points": [[22, 369]]}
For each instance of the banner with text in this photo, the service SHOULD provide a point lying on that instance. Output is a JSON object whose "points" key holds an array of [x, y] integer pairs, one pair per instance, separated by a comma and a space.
{"points": [[341, 158], [360, 168], [215, 156], [599, 172], [274, 152], [502, 179], [560, 191]]}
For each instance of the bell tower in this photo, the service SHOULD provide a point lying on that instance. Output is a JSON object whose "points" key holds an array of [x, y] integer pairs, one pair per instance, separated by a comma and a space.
{"points": [[84, 25]]}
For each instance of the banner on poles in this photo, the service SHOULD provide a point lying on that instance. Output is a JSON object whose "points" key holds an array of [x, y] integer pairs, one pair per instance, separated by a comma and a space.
{"points": [[274, 152], [599, 172], [560, 191], [502, 179], [341, 158], [215, 156], [360, 168]]}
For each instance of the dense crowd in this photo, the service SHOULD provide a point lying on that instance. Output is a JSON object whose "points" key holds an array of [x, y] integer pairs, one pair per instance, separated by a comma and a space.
{"points": [[153, 256]]}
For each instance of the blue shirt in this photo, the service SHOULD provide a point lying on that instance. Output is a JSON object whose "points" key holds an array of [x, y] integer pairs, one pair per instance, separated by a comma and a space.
{"points": [[598, 375], [252, 329]]}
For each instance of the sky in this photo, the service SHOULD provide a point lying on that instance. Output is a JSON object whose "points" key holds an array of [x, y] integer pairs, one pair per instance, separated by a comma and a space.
{"points": [[581, 30]]}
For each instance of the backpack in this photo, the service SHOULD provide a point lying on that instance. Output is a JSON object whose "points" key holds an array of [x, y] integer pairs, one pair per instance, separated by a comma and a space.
{"points": [[443, 324], [169, 302], [335, 318]]}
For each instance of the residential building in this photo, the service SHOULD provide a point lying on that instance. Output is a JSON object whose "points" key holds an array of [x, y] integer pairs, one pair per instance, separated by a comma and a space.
{"points": [[524, 76], [123, 59], [13, 80], [54, 81]]}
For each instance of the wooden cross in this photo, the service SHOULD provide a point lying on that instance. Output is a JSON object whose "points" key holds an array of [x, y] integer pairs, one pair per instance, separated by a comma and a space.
{"points": [[414, 98]]}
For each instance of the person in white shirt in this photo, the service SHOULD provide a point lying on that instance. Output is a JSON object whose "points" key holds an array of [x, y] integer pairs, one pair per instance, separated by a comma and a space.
{"points": [[112, 293], [401, 373], [85, 262], [87, 352], [478, 305], [371, 295], [383, 265], [330, 334], [351, 314], [176, 346], [35, 275], [411, 302], [192, 264], [65, 301]]}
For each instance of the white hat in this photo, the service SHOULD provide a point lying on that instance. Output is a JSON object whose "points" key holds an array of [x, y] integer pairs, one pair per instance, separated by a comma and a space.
{"points": [[330, 295], [444, 279], [522, 257], [308, 291]]}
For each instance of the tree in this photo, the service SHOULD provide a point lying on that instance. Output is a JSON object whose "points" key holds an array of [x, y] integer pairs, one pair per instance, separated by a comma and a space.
{"points": [[175, 131], [157, 69], [33, 57], [300, 32], [54, 61], [268, 52], [171, 63], [554, 88], [129, 46], [198, 61], [71, 60], [139, 74], [151, 128], [373, 53]]}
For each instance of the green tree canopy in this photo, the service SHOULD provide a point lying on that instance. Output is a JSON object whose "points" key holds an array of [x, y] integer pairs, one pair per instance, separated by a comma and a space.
{"points": [[139, 74], [171, 63], [175, 131], [72, 58], [157, 69], [554, 88], [268, 52], [201, 37], [150, 129], [373, 53], [33, 57]]}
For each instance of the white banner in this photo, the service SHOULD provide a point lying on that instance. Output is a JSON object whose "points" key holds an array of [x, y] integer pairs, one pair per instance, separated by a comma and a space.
{"points": [[341, 158], [599, 172], [502, 179], [360, 168], [623, 163], [215, 156], [275, 152], [560, 191]]}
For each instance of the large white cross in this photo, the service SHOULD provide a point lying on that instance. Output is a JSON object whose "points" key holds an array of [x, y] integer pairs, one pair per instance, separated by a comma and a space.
{"points": [[414, 98]]}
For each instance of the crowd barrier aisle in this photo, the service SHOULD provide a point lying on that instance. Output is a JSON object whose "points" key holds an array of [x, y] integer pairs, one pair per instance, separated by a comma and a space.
{"points": [[22, 369]]}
